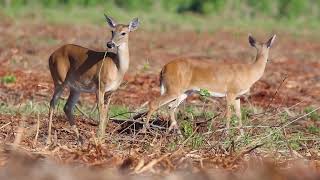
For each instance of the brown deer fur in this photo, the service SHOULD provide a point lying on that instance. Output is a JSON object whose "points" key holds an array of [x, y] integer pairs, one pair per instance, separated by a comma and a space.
{"points": [[79, 68], [181, 77]]}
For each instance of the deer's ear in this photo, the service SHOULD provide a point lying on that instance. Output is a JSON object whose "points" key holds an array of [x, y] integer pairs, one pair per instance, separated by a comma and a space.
{"points": [[270, 41], [252, 41], [112, 24], [134, 24]]}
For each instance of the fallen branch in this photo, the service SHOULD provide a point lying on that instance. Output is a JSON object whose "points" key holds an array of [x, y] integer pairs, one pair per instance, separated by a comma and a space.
{"points": [[5, 125]]}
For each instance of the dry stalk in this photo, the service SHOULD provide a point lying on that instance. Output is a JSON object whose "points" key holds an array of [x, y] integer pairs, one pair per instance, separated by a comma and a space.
{"points": [[151, 164], [5, 125], [276, 92], [139, 165], [37, 131]]}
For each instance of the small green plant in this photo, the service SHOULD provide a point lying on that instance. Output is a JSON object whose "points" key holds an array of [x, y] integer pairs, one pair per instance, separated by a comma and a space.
{"points": [[245, 113], [294, 141], [208, 114], [233, 123], [210, 126], [314, 115], [234, 120], [204, 94], [284, 116], [313, 129], [187, 128], [191, 110], [276, 136], [197, 141], [119, 112], [246, 139], [8, 79], [172, 146], [146, 66], [6, 109], [295, 145]]}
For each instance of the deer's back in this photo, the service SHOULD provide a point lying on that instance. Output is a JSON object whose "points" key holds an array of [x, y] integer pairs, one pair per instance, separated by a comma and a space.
{"points": [[80, 64], [185, 74]]}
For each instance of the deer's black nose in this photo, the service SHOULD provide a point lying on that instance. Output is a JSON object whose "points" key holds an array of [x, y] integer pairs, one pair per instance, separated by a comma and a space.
{"points": [[110, 45]]}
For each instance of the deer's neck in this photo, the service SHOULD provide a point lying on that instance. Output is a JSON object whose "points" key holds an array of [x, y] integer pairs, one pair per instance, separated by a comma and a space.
{"points": [[123, 55], [260, 64]]}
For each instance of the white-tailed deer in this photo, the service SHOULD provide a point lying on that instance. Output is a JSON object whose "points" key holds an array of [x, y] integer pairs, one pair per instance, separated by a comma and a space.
{"points": [[81, 69], [181, 77]]}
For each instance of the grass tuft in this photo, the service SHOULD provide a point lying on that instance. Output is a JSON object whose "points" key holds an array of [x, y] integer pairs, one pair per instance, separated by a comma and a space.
{"points": [[8, 79]]}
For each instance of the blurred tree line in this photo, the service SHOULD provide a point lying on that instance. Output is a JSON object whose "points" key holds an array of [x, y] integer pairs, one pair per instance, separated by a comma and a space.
{"points": [[274, 8]]}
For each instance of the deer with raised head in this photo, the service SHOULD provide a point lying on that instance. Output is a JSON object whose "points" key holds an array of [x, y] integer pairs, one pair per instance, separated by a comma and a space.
{"points": [[85, 70], [181, 77]]}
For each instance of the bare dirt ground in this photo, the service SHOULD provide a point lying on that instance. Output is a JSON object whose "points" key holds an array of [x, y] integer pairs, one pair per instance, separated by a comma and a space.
{"points": [[292, 78]]}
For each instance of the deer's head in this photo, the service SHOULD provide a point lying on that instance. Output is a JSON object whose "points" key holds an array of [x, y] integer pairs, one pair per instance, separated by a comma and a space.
{"points": [[120, 32], [262, 48]]}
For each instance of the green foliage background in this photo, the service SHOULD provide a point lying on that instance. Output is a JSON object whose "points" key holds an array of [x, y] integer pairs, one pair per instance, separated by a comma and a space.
{"points": [[272, 8], [297, 17]]}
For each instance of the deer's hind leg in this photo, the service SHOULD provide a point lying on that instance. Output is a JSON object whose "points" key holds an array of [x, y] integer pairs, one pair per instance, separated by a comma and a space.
{"points": [[173, 107], [58, 90], [157, 103], [68, 109]]}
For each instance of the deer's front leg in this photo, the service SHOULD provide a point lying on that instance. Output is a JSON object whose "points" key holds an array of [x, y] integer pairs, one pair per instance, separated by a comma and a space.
{"points": [[102, 115], [238, 113]]}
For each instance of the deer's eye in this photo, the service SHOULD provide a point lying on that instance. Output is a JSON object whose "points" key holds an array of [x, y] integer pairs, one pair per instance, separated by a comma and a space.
{"points": [[122, 34]]}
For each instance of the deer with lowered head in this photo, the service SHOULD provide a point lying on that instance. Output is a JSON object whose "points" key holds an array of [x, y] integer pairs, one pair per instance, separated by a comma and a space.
{"points": [[181, 77], [83, 70]]}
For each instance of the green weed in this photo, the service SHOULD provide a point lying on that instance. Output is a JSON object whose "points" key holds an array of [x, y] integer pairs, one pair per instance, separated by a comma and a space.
{"points": [[313, 115], [8, 79], [294, 141], [245, 113], [118, 111], [146, 66], [197, 141], [314, 129], [187, 128], [204, 94], [172, 146]]}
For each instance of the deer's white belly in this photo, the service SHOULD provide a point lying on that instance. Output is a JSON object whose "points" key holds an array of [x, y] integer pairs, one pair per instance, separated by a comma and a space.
{"points": [[217, 94], [214, 94], [221, 94], [243, 92]]}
